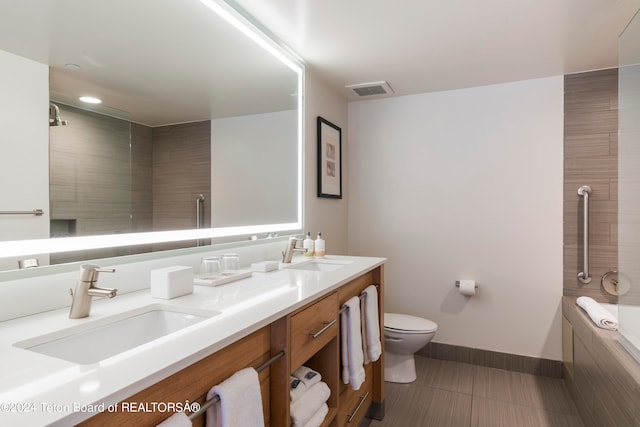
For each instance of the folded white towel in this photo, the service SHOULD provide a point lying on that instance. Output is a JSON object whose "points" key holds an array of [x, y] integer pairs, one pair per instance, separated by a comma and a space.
{"points": [[179, 419], [371, 325], [600, 316], [308, 376], [352, 356], [296, 388], [240, 401], [303, 409], [318, 417]]}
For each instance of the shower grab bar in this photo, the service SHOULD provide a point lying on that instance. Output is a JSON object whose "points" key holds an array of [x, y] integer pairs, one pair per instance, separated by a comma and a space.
{"points": [[199, 211], [584, 192], [199, 215], [36, 212]]}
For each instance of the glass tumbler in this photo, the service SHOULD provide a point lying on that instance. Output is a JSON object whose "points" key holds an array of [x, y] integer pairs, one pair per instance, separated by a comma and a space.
{"points": [[230, 263], [210, 266]]}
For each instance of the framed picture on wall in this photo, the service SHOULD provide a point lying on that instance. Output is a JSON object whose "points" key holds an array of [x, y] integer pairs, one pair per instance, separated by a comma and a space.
{"points": [[329, 159]]}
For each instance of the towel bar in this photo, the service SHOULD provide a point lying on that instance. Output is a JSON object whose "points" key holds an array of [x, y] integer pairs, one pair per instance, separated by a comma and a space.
{"points": [[215, 399], [36, 212], [361, 296]]}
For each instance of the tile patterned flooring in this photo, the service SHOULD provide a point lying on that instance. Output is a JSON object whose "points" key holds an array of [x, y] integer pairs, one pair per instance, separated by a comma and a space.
{"points": [[462, 395]]}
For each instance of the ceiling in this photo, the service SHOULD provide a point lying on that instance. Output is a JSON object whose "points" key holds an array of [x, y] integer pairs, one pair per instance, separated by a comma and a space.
{"points": [[434, 45], [153, 62]]}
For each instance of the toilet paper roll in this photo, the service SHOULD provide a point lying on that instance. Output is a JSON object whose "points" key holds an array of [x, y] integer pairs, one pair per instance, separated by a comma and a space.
{"points": [[468, 287]]}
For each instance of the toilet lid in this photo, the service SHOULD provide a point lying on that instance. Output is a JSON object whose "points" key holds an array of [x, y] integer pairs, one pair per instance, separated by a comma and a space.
{"points": [[405, 322]]}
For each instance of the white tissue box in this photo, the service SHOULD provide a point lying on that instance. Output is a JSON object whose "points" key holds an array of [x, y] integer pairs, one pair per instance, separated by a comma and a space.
{"points": [[171, 282]]}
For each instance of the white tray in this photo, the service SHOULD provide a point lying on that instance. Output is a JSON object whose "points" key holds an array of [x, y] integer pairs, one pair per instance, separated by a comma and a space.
{"points": [[209, 280]]}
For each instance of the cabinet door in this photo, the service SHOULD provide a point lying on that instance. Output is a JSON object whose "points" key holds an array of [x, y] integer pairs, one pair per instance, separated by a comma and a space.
{"points": [[193, 383], [354, 403]]}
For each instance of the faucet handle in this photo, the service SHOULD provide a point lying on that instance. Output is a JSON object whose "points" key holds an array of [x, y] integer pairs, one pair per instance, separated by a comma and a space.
{"points": [[89, 272]]}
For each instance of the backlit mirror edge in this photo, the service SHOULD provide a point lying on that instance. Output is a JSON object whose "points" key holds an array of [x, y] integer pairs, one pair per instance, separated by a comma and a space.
{"points": [[10, 275], [26, 247]]}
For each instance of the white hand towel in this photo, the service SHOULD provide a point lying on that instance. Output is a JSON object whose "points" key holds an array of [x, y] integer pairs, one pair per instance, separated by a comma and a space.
{"points": [[352, 356], [600, 316], [318, 417], [179, 419], [304, 408], [296, 388], [363, 334], [240, 401], [308, 376], [371, 325]]}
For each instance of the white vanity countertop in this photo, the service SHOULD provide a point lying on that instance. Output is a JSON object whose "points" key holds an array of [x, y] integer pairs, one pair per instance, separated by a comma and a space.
{"points": [[37, 389]]}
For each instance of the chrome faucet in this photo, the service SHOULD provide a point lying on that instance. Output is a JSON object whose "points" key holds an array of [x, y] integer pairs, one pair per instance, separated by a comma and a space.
{"points": [[291, 249], [86, 290]]}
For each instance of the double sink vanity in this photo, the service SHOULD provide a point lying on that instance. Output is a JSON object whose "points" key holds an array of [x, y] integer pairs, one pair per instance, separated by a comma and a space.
{"points": [[137, 359]]}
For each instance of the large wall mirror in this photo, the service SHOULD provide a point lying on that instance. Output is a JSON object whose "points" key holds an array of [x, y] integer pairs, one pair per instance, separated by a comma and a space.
{"points": [[197, 138]]}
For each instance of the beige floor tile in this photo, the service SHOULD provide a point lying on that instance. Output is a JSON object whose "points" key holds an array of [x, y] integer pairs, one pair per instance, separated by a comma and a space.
{"points": [[444, 374], [419, 406], [545, 393], [494, 413], [454, 394]]}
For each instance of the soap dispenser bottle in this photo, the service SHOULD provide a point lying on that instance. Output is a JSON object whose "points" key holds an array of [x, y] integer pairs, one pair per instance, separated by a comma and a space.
{"points": [[307, 244], [319, 245]]}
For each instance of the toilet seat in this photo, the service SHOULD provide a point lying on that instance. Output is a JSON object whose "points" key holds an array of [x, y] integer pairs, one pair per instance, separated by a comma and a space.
{"points": [[408, 324]]}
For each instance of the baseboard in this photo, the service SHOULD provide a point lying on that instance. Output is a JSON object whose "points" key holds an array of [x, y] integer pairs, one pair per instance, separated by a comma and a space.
{"points": [[493, 359]]}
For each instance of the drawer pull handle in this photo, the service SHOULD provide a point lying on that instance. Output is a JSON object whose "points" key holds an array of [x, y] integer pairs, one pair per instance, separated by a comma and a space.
{"points": [[362, 399], [327, 325]]}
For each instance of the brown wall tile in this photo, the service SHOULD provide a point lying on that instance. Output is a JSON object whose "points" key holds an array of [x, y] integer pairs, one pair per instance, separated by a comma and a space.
{"points": [[591, 158]]}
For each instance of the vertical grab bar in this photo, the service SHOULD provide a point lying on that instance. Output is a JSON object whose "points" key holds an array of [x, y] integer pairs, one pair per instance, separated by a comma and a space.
{"points": [[199, 211], [199, 214], [584, 192]]}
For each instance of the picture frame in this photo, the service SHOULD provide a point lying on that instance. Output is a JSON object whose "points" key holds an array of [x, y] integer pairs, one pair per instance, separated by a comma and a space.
{"points": [[329, 159]]}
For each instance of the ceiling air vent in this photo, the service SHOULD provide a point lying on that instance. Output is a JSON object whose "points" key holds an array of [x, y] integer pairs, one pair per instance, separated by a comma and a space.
{"points": [[373, 88]]}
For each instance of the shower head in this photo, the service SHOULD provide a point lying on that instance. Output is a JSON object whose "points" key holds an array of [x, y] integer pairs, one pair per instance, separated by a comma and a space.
{"points": [[54, 116]]}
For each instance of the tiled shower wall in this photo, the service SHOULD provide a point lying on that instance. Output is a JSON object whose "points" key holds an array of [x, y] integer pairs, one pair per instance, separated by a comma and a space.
{"points": [[89, 179], [591, 158]]}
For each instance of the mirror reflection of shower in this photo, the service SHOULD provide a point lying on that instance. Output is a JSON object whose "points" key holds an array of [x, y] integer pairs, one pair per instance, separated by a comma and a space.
{"points": [[54, 116]]}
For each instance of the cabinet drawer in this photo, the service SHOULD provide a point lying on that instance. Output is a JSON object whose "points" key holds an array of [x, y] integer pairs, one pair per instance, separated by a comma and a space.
{"points": [[354, 403], [312, 328]]}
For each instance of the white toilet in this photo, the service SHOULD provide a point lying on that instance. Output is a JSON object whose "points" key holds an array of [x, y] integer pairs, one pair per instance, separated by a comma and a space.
{"points": [[403, 336]]}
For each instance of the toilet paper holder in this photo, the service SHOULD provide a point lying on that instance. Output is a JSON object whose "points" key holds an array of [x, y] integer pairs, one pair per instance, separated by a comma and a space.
{"points": [[458, 284]]}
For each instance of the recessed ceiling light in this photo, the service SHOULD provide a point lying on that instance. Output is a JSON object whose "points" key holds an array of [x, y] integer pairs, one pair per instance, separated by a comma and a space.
{"points": [[72, 66], [90, 100]]}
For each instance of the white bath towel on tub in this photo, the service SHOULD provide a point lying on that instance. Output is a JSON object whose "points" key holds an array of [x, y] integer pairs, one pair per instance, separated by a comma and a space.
{"points": [[600, 316]]}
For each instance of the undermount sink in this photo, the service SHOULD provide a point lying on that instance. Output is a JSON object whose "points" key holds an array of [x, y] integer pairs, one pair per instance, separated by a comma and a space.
{"points": [[318, 265], [104, 338]]}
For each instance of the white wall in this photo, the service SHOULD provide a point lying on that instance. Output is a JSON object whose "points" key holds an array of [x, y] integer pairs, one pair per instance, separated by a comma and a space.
{"points": [[465, 184], [24, 150], [321, 214], [250, 192]]}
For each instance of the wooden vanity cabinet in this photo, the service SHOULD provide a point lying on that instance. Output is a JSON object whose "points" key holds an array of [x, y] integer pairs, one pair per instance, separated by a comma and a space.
{"points": [[347, 407], [194, 382], [309, 336], [369, 399], [314, 343]]}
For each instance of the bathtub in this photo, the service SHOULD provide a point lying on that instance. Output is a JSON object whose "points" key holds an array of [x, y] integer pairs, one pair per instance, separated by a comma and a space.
{"points": [[628, 317], [629, 326]]}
